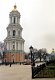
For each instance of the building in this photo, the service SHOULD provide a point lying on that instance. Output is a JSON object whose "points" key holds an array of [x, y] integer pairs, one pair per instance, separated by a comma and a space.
{"points": [[53, 54], [14, 42]]}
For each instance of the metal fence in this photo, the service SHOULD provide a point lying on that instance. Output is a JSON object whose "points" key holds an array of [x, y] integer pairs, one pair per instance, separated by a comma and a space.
{"points": [[46, 70], [37, 69]]}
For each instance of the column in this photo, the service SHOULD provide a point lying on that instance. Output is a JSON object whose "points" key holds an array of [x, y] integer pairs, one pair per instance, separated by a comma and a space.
{"points": [[11, 32], [12, 19], [23, 46], [15, 45], [7, 46], [10, 45], [18, 45], [17, 33], [16, 20]]}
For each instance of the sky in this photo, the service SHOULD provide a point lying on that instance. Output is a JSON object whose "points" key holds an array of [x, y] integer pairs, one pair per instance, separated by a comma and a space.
{"points": [[37, 20]]}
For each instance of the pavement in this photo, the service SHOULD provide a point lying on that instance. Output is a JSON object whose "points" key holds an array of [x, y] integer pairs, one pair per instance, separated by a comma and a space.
{"points": [[18, 72]]}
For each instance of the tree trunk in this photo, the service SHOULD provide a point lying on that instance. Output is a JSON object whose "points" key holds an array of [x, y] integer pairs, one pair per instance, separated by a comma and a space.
{"points": [[40, 59]]}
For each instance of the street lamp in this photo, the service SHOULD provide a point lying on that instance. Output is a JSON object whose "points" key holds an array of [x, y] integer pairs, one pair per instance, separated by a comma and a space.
{"points": [[31, 51], [32, 61]]}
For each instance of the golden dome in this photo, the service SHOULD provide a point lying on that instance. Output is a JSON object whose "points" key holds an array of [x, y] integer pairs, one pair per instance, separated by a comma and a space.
{"points": [[15, 8]]}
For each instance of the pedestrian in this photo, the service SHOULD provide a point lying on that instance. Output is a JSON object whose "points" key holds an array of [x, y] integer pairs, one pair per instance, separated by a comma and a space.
{"points": [[10, 64]]}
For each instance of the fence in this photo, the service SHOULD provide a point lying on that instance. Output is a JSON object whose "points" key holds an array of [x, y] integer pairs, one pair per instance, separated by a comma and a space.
{"points": [[46, 70], [36, 70], [51, 62]]}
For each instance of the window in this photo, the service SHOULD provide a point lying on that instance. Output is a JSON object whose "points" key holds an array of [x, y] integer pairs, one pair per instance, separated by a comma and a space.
{"points": [[14, 20], [13, 47], [14, 32]]}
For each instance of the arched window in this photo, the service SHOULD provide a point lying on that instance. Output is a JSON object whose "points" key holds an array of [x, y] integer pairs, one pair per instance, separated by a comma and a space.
{"points": [[14, 32], [14, 20], [13, 47]]}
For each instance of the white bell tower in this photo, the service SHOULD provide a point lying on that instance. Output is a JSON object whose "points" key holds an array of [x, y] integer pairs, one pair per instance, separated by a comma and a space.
{"points": [[14, 40]]}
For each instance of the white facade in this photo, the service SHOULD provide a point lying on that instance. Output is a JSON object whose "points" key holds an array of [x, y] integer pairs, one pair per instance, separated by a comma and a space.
{"points": [[14, 40]]}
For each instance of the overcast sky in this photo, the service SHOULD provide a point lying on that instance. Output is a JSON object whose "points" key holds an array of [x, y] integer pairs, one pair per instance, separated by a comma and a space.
{"points": [[37, 21]]}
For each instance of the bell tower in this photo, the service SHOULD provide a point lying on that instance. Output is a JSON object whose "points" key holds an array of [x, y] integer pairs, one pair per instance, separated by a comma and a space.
{"points": [[14, 41], [14, 16]]}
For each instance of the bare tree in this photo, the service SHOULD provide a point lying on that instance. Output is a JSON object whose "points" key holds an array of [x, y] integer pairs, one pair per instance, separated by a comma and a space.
{"points": [[42, 53]]}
